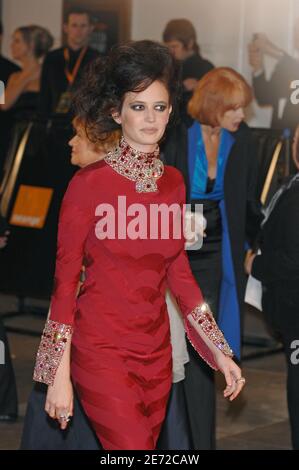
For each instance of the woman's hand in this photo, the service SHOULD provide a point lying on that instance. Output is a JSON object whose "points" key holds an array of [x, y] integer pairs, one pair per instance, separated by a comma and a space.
{"points": [[249, 261], [59, 401], [233, 375], [263, 43]]}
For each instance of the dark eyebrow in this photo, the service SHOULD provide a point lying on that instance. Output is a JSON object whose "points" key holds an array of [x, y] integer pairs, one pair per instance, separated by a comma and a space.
{"points": [[143, 102]]}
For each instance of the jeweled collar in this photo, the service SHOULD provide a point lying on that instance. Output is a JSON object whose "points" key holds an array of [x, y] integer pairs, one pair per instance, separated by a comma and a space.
{"points": [[144, 168]]}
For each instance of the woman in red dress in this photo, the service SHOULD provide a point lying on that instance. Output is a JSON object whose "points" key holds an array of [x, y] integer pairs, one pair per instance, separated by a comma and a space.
{"points": [[112, 342]]}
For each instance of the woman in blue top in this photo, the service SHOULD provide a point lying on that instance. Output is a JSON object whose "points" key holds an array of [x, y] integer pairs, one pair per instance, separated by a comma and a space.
{"points": [[216, 156]]}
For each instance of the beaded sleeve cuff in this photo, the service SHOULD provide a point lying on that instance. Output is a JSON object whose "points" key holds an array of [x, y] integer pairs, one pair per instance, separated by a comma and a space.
{"points": [[204, 318], [50, 351]]}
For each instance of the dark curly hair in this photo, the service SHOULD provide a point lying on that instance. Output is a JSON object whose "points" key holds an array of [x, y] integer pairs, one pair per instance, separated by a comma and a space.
{"points": [[128, 68]]}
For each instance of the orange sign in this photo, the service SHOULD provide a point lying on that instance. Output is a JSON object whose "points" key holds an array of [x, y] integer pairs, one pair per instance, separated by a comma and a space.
{"points": [[31, 206]]}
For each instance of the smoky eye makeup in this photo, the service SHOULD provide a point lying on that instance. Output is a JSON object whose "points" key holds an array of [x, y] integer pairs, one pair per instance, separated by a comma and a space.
{"points": [[141, 106], [161, 106], [137, 106]]}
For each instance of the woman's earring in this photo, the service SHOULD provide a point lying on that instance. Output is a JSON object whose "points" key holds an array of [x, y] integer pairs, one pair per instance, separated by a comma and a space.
{"points": [[116, 117]]}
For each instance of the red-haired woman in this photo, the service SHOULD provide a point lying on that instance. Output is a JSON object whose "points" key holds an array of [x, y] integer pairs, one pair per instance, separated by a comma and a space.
{"points": [[216, 157]]}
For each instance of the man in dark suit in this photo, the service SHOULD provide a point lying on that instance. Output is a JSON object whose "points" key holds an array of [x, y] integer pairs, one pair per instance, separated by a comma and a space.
{"points": [[277, 267], [276, 91], [6, 69], [63, 67]]}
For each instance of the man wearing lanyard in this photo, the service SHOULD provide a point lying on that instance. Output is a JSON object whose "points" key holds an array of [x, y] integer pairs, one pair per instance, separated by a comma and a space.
{"points": [[62, 67]]}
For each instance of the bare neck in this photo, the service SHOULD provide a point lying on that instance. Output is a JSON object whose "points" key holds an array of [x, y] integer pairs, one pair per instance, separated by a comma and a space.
{"points": [[28, 62], [211, 132]]}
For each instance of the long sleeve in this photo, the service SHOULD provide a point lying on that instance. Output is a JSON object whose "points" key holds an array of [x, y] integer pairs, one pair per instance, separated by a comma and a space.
{"points": [[190, 301], [264, 93], [254, 215], [75, 221], [280, 246]]}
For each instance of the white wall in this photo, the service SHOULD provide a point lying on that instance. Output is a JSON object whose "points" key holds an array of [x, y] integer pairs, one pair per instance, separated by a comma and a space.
{"points": [[274, 18], [224, 27], [15, 13], [211, 18]]}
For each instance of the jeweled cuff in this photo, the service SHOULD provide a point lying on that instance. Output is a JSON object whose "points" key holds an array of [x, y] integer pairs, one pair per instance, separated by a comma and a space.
{"points": [[204, 318], [50, 351]]}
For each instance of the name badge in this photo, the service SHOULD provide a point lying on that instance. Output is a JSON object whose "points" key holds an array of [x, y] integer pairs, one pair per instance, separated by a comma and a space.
{"points": [[64, 103]]}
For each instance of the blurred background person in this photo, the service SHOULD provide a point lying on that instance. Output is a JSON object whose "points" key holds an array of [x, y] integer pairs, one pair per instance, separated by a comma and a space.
{"points": [[84, 151], [7, 68], [180, 37], [275, 91], [28, 47], [217, 158], [277, 267], [63, 67]]}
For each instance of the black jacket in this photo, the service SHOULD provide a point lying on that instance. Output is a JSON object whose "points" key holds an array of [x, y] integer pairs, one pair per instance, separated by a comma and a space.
{"points": [[195, 66], [241, 199], [279, 260], [54, 81]]}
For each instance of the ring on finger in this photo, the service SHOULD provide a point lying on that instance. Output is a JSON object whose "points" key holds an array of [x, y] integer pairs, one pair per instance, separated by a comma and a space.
{"points": [[241, 380], [65, 417]]}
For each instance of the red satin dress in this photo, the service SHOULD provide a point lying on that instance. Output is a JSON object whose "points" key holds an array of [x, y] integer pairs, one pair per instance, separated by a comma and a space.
{"points": [[121, 362]]}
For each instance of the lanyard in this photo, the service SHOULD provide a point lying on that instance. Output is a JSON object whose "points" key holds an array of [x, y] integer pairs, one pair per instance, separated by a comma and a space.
{"points": [[72, 75]]}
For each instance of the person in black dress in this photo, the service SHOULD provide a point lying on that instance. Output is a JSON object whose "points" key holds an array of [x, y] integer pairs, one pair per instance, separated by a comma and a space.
{"points": [[277, 267], [29, 45], [7, 68]]}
